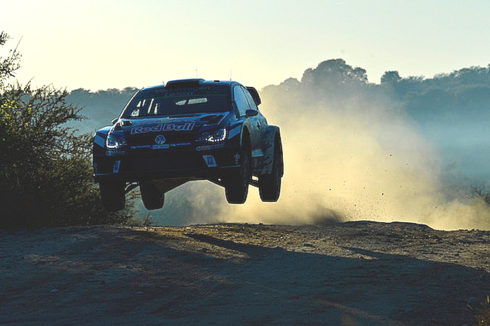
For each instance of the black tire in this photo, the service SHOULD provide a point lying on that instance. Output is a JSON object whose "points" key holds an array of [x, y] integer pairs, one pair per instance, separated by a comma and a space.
{"points": [[236, 187], [151, 196], [113, 195], [270, 184]]}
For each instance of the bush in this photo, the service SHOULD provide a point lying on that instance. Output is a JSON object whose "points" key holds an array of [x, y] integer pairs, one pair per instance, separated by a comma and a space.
{"points": [[45, 167], [483, 314]]}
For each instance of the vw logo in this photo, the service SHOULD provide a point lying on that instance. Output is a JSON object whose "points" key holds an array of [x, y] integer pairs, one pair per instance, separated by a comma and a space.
{"points": [[160, 139]]}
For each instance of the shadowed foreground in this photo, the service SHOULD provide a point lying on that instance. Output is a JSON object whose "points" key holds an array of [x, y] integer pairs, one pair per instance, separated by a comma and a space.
{"points": [[355, 273]]}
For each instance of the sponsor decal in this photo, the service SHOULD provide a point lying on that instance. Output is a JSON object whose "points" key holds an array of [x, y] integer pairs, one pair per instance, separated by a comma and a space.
{"points": [[164, 146], [180, 145], [209, 147], [168, 126], [203, 148], [186, 126], [210, 161], [161, 146], [140, 146], [145, 129]]}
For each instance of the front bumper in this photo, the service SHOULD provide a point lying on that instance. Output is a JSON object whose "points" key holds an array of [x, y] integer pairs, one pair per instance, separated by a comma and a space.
{"points": [[195, 162]]}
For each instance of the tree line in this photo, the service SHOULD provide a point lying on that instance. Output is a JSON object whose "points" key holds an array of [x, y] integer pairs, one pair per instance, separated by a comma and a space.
{"points": [[461, 94]]}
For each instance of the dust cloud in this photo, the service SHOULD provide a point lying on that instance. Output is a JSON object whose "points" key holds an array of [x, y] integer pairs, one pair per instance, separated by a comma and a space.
{"points": [[360, 163], [348, 155]]}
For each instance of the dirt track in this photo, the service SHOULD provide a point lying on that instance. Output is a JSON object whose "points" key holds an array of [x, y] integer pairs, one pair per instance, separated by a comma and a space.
{"points": [[356, 273]]}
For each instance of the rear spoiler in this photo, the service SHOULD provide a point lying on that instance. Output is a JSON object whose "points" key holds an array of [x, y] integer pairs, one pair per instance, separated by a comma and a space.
{"points": [[255, 95]]}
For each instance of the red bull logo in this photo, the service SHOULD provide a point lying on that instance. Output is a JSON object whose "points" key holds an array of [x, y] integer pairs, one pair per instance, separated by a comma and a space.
{"points": [[170, 126]]}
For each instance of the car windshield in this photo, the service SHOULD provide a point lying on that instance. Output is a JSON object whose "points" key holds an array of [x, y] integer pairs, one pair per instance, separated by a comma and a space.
{"points": [[164, 102]]}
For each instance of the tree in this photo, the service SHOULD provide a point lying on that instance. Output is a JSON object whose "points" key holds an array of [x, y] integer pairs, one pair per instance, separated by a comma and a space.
{"points": [[390, 77]]}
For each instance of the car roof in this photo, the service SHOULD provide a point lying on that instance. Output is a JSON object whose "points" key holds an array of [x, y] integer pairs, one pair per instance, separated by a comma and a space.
{"points": [[196, 81]]}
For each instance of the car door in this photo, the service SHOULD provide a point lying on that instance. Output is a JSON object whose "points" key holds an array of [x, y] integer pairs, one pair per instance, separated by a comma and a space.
{"points": [[242, 106], [259, 123]]}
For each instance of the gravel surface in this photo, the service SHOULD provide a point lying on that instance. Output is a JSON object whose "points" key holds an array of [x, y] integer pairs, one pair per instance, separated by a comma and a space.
{"points": [[353, 273]]}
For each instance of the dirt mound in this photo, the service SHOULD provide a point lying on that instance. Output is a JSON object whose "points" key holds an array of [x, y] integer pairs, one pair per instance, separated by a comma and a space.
{"points": [[354, 273]]}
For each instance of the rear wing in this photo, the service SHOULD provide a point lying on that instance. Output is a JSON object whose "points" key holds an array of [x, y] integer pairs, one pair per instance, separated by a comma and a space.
{"points": [[255, 95]]}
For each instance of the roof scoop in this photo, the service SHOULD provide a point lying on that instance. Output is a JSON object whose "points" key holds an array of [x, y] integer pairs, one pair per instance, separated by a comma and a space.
{"points": [[184, 83]]}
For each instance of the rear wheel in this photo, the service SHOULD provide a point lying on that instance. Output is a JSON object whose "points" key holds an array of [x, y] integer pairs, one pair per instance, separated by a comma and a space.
{"points": [[236, 187], [151, 196], [270, 184], [112, 195]]}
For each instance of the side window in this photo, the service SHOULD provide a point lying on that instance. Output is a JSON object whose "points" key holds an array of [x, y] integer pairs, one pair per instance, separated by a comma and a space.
{"points": [[250, 99], [240, 100]]}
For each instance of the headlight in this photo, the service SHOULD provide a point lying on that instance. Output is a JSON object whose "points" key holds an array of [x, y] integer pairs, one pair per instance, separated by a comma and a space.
{"points": [[115, 140], [213, 137]]}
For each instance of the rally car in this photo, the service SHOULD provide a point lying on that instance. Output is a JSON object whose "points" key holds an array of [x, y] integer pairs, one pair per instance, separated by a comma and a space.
{"points": [[190, 129]]}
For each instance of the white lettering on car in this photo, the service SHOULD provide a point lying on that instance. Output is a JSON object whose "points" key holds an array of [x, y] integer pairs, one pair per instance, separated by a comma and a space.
{"points": [[170, 126]]}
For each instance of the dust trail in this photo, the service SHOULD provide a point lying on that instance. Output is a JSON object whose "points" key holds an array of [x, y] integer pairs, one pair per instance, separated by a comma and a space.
{"points": [[348, 155], [363, 163]]}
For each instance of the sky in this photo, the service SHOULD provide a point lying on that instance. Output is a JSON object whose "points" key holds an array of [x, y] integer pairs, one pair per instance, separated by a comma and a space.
{"points": [[118, 43]]}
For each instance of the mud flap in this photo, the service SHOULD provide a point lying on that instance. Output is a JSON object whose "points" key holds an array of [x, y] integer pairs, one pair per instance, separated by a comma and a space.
{"points": [[265, 165]]}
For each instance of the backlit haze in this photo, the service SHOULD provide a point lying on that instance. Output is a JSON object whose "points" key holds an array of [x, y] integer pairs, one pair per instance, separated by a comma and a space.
{"points": [[407, 149], [113, 44]]}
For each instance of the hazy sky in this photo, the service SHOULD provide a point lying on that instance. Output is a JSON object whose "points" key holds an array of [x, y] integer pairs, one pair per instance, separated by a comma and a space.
{"points": [[109, 43]]}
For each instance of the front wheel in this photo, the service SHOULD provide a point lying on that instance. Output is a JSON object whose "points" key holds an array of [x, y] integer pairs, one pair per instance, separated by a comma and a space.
{"points": [[270, 184], [151, 196], [236, 187], [113, 195]]}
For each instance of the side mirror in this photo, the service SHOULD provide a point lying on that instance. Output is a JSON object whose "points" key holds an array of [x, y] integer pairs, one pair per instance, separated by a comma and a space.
{"points": [[251, 113]]}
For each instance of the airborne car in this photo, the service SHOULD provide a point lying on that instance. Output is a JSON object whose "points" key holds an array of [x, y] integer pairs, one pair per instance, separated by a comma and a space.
{"points": [[191, 129]]}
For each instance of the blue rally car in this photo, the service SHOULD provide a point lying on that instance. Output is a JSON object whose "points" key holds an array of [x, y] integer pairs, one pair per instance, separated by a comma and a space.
{"points": [[190, 129]]}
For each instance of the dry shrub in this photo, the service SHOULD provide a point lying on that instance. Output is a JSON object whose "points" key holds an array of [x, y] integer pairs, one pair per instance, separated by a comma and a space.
{"points": [[483, 314]]}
